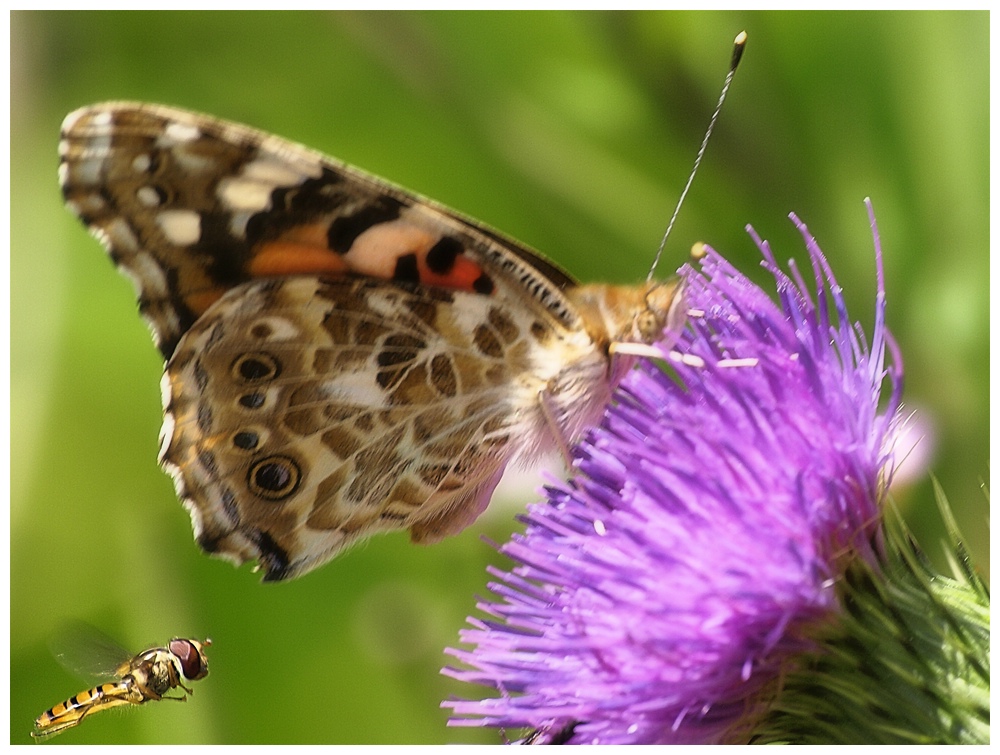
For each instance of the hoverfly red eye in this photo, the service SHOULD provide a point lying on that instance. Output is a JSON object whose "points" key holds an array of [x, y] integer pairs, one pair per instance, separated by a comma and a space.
{"points": [[194, 665]]}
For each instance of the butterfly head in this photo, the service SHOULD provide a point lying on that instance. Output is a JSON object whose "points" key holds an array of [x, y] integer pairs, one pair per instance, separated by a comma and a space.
{"points": [[662, 311], [630, 319]]}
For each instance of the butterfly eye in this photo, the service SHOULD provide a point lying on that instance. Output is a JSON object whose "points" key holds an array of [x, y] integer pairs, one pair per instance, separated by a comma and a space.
{"points": [[275, 477], [251, 368]]}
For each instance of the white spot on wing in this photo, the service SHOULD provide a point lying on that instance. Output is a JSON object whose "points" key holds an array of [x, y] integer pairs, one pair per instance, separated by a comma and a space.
{"points": [[148, 196], [355, 389], [250, 191], [85, 171], [241, 195], [192, 163], [177, 133], [271, 171], [167, 429], [147, 275], [120, 235], [181, 227]]}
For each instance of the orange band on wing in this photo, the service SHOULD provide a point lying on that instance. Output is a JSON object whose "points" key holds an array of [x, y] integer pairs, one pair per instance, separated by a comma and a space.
{"points": [[278, 258], [464, 272]]}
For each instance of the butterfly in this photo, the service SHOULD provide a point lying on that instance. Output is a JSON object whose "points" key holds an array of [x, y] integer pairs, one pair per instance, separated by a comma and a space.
{"points": [[343, 357]]}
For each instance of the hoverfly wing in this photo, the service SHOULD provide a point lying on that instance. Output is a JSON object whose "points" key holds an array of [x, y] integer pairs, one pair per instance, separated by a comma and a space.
{"points": [[88, 653]]}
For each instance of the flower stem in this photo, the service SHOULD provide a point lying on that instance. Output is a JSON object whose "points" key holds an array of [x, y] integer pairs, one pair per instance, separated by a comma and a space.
{"points": [[907, 663]]}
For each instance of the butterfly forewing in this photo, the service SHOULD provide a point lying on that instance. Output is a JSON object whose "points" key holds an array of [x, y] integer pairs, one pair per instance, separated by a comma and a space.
{"points": [[344, 357], [191, 206]]}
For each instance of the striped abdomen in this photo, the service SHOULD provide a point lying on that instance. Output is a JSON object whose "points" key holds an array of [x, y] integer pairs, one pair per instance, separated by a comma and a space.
{"points": [[71, 712]]}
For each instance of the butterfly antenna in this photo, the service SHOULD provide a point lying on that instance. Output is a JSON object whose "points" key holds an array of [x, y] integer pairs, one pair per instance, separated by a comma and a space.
{"points": [[738, 46]]}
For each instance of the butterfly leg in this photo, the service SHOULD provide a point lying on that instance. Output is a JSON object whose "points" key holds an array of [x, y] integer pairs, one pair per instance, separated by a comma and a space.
{"points": [[545, 404]]}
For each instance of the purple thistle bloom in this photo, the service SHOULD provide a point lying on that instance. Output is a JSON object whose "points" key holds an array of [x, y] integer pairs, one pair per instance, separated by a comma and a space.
{"points": [[662, 594]]}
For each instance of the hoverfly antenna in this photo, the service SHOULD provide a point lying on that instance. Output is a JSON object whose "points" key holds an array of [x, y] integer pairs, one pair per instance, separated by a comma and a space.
{"points": [[739, 44]]}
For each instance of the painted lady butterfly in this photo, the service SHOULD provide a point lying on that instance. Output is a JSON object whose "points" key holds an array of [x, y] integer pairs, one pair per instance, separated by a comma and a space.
{"points": [[342, 357]]}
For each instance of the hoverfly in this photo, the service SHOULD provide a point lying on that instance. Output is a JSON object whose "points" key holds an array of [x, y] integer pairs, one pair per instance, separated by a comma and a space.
{"points": [[139, 679]]}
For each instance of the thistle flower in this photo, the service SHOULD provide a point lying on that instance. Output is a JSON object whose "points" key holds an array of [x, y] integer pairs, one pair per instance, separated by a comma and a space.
{"points": [[721, 547]]}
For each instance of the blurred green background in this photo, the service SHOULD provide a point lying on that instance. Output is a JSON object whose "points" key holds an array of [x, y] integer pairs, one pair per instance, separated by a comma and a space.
{"points": [[573, 132]]}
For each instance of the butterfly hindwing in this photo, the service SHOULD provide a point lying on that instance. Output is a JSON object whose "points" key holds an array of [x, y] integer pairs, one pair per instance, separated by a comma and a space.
{"points": [[322, 420]]}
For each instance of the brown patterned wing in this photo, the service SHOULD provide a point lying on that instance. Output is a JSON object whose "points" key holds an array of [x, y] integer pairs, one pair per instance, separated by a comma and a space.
{"points": [[306, 414], [190, 206]]}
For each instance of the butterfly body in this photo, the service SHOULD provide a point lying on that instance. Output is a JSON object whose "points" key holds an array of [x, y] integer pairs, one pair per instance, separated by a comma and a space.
{"points": [[343, 357]]}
